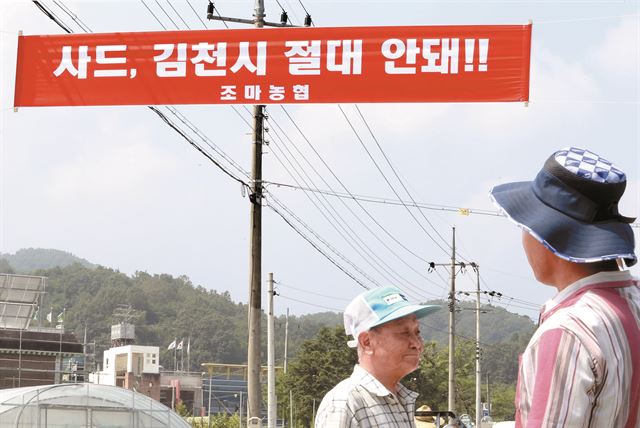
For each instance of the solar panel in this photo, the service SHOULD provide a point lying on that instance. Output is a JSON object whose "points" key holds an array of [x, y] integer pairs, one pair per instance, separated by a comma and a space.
{"points": [[19, 299]]}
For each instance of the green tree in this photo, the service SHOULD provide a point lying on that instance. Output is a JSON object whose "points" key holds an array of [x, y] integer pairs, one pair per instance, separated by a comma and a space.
{"points": [[320, 364], [182, 409]]}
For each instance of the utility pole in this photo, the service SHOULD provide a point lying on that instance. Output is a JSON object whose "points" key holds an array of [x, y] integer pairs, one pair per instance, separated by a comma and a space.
{"points": [[286, 350], [478, 377], [254, 391], [272, 406], [452, 328], [452, 321], [286, 340]]}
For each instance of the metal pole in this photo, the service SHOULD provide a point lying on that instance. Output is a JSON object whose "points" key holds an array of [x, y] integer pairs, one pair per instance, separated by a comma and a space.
{"points": [[478, 378], [209, 407], [271, 372], [452, 329], [253, 353], [290, 408], [286, 340]]}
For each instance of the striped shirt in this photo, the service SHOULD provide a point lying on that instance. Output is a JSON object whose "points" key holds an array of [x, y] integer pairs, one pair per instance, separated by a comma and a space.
{"points": [[362, 401], [582, 366]]}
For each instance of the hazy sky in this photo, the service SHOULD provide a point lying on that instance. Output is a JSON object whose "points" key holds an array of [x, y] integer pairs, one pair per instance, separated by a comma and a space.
{"points": [[118, 187]]}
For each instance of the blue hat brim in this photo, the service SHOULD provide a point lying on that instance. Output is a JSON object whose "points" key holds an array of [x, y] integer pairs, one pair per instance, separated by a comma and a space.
{"points": [[567, 237], [420, 311]]}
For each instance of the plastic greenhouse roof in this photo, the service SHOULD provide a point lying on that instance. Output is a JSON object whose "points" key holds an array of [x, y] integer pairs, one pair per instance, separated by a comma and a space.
{"points": [[86, 395]]}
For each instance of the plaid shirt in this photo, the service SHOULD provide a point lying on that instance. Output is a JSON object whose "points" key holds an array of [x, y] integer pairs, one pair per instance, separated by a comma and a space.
{"points": [[362, 401]]}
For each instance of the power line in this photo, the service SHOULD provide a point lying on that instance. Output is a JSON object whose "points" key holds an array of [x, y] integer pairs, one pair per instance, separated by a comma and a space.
{"points": [[357, 217], [52, 16], [72, 15], [446, 251], [387, 201], [197, 14], [167, 15], [310, 304], [311, 292], [179, 16], [347, 190], [336, 222], [340, 220], [168, 121], [154, 15], [314, 245]]}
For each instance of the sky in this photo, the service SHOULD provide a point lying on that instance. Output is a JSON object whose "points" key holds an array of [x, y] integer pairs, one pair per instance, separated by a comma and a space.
{"points": [[118, 187]]}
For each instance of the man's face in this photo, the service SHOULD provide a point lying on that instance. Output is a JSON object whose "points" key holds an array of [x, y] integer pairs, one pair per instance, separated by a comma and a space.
{"points": [[538, 257], [397, 345]]}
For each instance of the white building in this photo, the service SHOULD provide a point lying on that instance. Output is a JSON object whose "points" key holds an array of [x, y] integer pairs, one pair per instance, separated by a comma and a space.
{"points": [[131, 367]]}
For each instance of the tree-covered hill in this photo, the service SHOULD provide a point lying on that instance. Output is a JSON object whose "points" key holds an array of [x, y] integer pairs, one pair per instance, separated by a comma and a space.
{"points": [[27, 260], [173, 307]]}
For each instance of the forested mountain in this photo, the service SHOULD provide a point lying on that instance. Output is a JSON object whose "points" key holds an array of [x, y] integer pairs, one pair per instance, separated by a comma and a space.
{"points": [[27, 260], [172, 307]]}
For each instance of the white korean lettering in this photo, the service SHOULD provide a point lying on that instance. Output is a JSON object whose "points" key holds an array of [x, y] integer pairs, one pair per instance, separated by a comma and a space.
{"points": [[244, 59], [276, 93], [351, 62], [304, 57], [210, 53], [301, 92], [445, 61], [102, 59], [228, 92], [166, 68], [252, 92], [66, 63], [395, 49]]}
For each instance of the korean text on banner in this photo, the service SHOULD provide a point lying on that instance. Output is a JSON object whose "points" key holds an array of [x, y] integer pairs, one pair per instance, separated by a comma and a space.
{"points": [[481, 63]]}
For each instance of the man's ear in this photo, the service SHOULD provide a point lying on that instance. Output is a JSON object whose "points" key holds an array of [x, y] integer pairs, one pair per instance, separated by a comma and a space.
{"points": [[365, 342]]}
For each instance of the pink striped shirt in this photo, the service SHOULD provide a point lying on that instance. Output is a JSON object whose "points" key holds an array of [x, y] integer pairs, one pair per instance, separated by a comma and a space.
{"points": [[582, 366]]}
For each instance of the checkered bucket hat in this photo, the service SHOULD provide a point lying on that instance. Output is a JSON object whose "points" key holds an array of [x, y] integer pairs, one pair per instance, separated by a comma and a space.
{"points": [[572, 207]]}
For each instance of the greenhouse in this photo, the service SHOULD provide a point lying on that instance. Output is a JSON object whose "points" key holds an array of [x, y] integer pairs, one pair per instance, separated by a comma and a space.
{"points": [[83, 405]]}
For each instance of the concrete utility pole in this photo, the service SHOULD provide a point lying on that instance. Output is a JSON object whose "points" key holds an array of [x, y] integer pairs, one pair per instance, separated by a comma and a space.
{"points": [[254, 391], [452, 321], [255, 304], [272, 404], [452, 328], [478, 377]]}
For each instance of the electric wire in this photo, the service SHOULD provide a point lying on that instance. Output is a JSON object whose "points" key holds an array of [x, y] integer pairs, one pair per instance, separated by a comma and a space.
{"points": [[272, 198], [167, 15], [389, 183], [51, 16], [347, 190], [154, 15], [387, 201], [72, 15], [272, 120], [314, 245], [196, 14], [311, 304], [341, 221], [349, 240], [196, 146], [179, 16], [283, 284]]}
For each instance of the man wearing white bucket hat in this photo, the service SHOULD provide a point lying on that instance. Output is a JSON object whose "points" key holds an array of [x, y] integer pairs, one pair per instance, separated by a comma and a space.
{"points": [[386, 333], [582, 366]]}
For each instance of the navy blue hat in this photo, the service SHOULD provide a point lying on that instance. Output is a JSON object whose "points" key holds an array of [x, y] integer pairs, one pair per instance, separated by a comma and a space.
{"points": [[572, 207]]}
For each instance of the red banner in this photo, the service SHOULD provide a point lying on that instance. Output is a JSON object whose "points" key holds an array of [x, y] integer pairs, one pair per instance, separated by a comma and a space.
{"points": [[276, 66]]}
